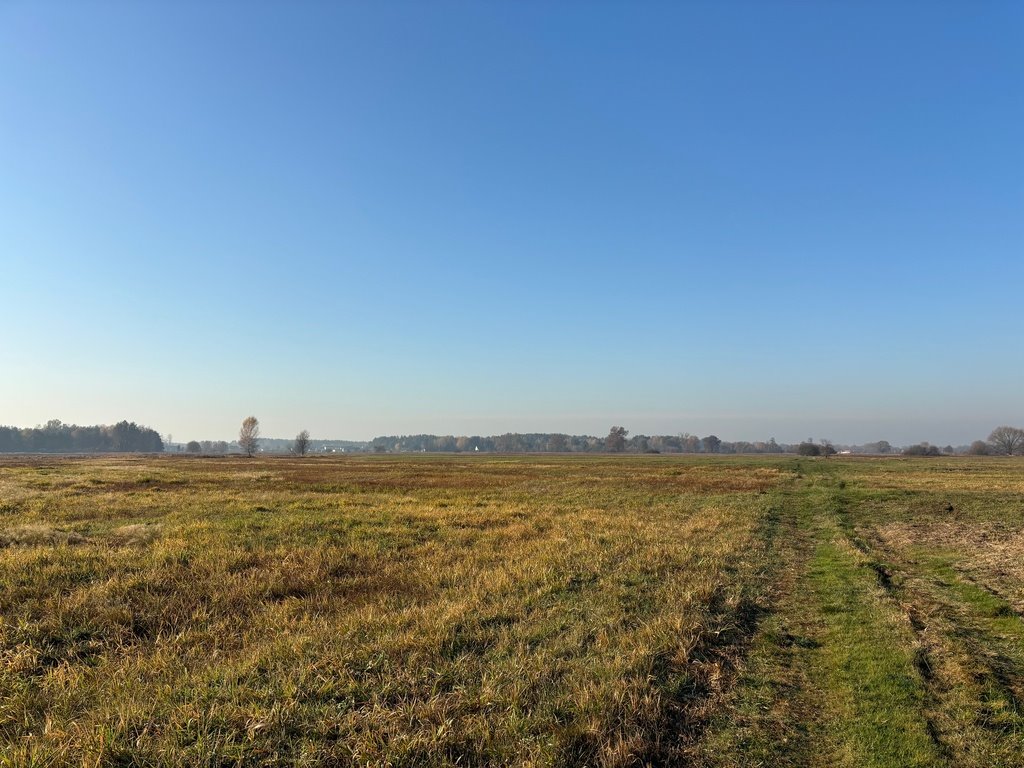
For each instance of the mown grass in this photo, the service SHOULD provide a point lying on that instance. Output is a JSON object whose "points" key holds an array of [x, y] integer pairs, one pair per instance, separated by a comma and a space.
{"points": [[511, 611]]}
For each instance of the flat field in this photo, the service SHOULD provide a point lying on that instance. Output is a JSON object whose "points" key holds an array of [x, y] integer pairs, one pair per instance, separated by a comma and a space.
{"points": [[488, 610]]}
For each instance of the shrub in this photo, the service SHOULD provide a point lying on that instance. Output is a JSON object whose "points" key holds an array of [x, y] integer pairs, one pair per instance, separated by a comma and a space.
{"points": [[921, 449], [979, 448]]}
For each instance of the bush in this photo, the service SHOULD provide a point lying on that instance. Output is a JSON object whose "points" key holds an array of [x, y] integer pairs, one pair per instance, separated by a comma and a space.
{"points": [[922, 449], [809, 449], [979, 448]]}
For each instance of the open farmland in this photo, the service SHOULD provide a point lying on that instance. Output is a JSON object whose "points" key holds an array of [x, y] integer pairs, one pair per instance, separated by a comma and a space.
{"points": [[611, 611]]}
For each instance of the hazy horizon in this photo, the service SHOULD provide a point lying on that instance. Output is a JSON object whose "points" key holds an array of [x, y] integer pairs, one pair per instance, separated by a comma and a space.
{"points": [[781, 220], [728, 428]]}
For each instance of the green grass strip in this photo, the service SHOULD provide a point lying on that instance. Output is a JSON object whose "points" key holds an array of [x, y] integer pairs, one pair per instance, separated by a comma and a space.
{"points": [[864, 665]]}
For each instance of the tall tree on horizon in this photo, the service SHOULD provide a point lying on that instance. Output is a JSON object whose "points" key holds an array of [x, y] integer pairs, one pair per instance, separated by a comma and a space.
{"points": [[1007, 440], [249, 435], [616, 440]]}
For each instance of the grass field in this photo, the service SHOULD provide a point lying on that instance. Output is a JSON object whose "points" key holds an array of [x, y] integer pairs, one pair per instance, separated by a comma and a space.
{"points": [[398, 611]]}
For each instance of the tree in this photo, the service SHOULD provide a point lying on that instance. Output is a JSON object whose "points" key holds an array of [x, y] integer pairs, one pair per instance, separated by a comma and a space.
{"points": [[558, 443], [616, 440], [979, 448], [193, 447], [809, 449], [711, 443], [444, 443], [640, 443], [249, 435], [301, 447], [509, 443], [689, 443], [1007, 440]]}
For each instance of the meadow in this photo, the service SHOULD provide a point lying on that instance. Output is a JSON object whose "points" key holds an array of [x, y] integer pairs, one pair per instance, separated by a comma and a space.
{"points": [[511, 610]]}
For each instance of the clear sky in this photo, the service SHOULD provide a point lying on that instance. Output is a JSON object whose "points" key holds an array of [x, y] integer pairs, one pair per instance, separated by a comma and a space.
{"points": [[754, 219]]}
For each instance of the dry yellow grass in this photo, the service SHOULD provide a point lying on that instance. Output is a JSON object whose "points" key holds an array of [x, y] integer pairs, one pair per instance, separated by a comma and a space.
{"points": [[510, 611], [990, 553], [372, 611]]}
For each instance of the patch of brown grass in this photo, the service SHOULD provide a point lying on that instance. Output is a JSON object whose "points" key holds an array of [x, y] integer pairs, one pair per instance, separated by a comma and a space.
{"points": [[992, 553], [135, 534], [39, 535]]}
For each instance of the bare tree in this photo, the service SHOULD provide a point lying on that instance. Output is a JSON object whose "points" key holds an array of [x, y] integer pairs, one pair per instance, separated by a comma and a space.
{"points": [[301, 447], [558, 443], [249, 435], [1008, 440], [979, 448]]}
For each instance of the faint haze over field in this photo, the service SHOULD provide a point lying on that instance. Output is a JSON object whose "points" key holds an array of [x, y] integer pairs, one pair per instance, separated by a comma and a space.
{"points": [[752, 219]]}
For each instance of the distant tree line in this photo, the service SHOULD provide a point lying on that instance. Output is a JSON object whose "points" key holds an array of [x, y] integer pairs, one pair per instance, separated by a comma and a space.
{"points": [[1006, 441], [57, 437], [617, 441], [1002, 441], [207, 447]]}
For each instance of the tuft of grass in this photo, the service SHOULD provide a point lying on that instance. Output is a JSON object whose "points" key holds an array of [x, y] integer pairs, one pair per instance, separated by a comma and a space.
{"points": [[38, 535], [135, 534]]}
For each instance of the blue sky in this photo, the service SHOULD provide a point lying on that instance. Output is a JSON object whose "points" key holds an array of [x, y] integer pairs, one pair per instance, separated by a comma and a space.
{"points": [[754, 219]]}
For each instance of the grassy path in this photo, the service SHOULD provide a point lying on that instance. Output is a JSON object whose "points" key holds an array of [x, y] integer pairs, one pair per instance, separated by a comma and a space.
{"points": [[831, 679]]}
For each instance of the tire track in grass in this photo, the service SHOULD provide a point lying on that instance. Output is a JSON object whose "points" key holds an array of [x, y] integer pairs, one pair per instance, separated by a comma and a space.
{"points": [[875, 698], [970, 642], [971, 657], [764, 720]]}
